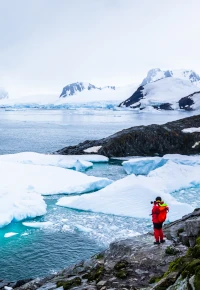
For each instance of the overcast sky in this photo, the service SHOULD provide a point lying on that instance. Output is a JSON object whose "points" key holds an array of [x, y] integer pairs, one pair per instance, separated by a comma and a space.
{"points": [[47, 44]]}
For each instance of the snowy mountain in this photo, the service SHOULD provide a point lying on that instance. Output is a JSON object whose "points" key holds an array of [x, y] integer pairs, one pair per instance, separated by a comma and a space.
{"points": [[74, 96], [73, 88], [157, 74], [168, 93], [3, 94]]}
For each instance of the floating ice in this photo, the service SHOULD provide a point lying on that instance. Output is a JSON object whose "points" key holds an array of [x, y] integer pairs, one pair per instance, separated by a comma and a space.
{"points": [[11, 234], [143, 165], [78, 162], [81, 165], [131, 195], [37, 224], [23, 184]]}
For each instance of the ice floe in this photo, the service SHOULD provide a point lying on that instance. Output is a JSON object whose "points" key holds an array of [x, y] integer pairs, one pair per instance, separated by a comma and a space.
{"points": [[144, 165], [10, 234], [37, 224], [131, 195], [22, 187], [77, 162]]}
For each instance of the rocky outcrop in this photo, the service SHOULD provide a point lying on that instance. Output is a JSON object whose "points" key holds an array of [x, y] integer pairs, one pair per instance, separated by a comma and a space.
{"points": [[135, 263], [152, 140]]}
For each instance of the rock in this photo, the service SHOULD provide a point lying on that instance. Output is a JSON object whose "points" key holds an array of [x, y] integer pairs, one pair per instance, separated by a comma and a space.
{"points": [[166, 281], [101, 283], [192, 227], [152, 140], [3, 283], [48, 286]]}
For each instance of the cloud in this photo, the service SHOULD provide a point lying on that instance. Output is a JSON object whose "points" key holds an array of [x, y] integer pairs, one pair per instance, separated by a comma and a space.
{"points": [[48, 44]]}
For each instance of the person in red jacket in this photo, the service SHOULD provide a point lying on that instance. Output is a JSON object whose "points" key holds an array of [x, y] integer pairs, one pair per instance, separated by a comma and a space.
{"points": [[157, 224]]}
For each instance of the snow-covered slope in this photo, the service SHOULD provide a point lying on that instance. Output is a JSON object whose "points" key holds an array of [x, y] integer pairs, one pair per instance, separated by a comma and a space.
{"points": [[157, 74], [72, 89], [167, 93]]}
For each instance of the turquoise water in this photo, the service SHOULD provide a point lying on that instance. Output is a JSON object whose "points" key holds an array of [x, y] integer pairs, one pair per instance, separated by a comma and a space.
{"points": [[74, 235]]}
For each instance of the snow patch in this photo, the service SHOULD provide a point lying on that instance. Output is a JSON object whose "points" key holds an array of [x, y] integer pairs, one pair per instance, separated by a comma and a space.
{"points": [[196, 144], [93, 149], [191, 130]]}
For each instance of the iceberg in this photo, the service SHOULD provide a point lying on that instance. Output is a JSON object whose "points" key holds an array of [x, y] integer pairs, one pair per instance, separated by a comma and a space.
{"points": [[144, 165], [131, 195], [23, 186], [77, 162]]}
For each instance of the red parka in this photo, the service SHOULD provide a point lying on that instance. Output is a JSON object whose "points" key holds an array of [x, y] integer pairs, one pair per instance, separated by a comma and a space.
{"points": [[155, 212]]}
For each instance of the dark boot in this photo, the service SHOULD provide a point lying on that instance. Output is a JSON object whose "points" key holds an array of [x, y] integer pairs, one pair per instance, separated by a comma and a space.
{"points": [[162, 241], [156, 243]]}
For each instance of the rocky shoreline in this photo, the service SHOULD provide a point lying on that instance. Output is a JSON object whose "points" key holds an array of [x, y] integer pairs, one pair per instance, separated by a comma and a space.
{"points": [[152, 140], [134, 263]]}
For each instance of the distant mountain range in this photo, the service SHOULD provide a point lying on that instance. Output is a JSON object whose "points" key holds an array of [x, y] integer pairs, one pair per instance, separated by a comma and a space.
{"points": [[73, 88], [168, 90], [157, 74]]}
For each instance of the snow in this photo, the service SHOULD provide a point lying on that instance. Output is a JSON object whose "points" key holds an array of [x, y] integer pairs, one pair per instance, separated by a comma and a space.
{"points": [[78, 162], [191, 130], [37, 224], [22, 187], [93, 149], [185, 74], [167, 90], [131, 195], [10, 234]]}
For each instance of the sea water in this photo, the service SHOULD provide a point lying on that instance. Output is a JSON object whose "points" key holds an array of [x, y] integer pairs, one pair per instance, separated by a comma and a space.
{"points": [[74, 235]]}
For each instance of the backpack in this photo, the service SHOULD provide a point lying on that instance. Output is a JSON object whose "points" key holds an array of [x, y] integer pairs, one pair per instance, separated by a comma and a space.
{"points": [[163, 212]]}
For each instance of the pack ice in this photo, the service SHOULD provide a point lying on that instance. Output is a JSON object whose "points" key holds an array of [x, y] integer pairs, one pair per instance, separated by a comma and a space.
{"points": [[131, 195]]}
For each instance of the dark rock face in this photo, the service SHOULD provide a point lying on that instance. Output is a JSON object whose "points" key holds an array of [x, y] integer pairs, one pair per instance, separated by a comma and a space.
{"points": [[164, 106], [186, 102], [146, 141], [135, 98], [71, 89]]}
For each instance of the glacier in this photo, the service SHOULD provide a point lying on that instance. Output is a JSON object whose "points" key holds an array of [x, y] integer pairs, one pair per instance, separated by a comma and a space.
{"points": [[24, 185], [131, 195], [106, 98]]}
